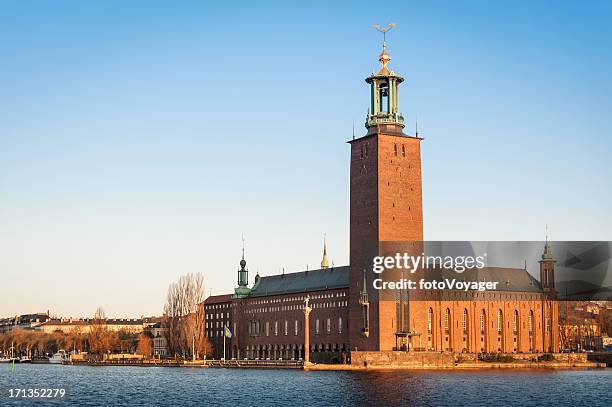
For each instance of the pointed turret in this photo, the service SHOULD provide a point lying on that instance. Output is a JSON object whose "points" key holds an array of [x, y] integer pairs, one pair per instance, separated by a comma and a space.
{"points": [[324, 261], [547, 267], [242, 290]]}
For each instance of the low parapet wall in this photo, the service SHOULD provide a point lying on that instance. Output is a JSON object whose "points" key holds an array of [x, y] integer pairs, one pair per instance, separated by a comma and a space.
{"points": [[425, 360], [403, 359]]}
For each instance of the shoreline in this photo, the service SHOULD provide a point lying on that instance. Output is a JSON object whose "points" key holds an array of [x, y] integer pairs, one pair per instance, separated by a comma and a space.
{"points": [[353, 367], [462, 367]]}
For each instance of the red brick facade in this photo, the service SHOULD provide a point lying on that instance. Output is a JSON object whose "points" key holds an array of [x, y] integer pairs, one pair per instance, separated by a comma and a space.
{"points": [[385, 206]]}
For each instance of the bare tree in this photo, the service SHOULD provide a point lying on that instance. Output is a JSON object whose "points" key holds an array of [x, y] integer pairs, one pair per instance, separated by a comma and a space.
{"points": [[185, 315], [99, 336]]}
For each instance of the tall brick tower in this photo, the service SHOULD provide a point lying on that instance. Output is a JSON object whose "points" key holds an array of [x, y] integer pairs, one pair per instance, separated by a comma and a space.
{"points": [[385, 206]]}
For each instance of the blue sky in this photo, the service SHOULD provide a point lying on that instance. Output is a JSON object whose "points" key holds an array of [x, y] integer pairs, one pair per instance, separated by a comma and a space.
{"points": [[139, 141]]}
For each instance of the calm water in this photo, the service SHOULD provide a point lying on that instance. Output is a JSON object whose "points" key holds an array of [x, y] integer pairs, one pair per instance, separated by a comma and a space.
{"points": [[146, 386]]}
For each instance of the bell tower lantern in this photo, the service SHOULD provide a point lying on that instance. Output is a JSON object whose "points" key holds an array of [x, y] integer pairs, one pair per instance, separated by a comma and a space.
{"points": [[384, 94]]}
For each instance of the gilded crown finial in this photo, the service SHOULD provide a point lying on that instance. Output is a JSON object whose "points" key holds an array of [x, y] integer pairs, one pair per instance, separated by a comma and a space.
{"points": [[384, 32], [384, 58]]}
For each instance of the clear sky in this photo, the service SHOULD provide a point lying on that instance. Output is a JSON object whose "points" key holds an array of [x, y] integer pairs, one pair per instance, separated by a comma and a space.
{"points": [[139, 140]]}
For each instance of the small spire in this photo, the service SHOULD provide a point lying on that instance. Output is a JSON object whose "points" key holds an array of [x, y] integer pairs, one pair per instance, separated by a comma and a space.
{"points": [[243, 261], [243, 246], [324, 261], [547, 255], [363, 297]]}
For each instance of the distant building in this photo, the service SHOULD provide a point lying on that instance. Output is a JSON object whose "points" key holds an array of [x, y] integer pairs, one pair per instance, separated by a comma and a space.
{"points": [[159, 335], [84, 325], [25, 321]]}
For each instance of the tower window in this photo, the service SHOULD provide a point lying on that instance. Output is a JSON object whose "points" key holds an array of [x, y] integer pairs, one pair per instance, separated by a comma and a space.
{"points": [[446, 321], [395, 149], [530, 322], [403, 151], [482, 321]]}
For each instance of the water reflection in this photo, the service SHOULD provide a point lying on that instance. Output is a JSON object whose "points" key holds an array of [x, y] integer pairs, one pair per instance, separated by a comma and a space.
{"points": [[141, 386]]}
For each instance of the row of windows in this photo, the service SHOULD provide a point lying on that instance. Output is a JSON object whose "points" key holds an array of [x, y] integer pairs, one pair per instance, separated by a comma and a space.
{"points": [[217, 306], [447, 295], [215, 324], [300, 298], [328, 326], [217, 315], [255, 327], [332, 304], [403, 150], [500, 321]]}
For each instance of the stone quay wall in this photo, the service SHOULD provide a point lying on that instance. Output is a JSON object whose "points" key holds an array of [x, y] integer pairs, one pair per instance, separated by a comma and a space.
{"points": [[403, 359]]}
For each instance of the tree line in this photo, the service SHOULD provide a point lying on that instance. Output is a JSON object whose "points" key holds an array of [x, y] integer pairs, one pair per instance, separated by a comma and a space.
{"points": [[183, 318]]}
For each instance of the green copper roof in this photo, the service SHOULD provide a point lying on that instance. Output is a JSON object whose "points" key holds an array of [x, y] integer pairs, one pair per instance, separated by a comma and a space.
{"points": [[510, 279], [304, 281]]}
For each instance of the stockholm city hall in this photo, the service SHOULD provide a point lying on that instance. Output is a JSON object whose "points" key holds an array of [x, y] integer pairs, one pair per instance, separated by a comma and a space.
{"points": [[268, 319]]}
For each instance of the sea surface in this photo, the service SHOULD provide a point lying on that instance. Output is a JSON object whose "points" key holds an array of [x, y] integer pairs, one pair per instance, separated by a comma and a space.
{"points": [[162, 386]]}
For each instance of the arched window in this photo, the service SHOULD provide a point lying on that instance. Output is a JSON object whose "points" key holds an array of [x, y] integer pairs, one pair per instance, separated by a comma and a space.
{"points": [[395, 149], [429, 320], [446, 318], [500, 322], [339, 325], [464, 321], [515, 322], [403, 150], [483, 324]]}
